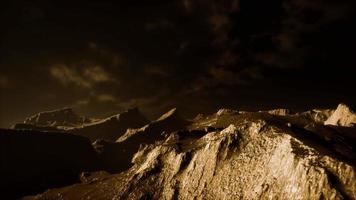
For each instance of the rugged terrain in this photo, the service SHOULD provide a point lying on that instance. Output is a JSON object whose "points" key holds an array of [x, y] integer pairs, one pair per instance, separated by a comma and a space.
{"points": [[116, 156], [234, 155]]}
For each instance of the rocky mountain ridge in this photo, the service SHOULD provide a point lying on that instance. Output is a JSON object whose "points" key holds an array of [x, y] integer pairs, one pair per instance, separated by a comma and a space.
{"points": [[236, 155], [66, 120], [112, 127], [64, 117], [116, 156]]}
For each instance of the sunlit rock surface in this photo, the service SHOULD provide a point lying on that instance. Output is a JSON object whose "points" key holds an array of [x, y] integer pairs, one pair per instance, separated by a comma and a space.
{"points": [[342, 116], [116, 156], [318, 115], [153, 131], [235, 155]]}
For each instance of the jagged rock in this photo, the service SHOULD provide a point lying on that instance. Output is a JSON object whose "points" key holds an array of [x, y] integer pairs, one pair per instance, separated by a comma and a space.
{"points": [[153, 131], [255, 156], [112, 127], [342, 116], [62, 117], [33, 161], [318, 115], [116, 156]]}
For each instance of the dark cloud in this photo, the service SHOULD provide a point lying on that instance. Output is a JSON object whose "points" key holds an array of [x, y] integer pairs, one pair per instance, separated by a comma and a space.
{"points": [[103, 57], [86, 77]]}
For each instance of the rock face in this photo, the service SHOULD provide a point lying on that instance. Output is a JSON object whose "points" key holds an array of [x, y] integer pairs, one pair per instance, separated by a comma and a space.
{"points": [[318, 115], [342, 116], [113, 127], [62, 117], [116, 156], [33, 161], [154, 131], [234, 155]]}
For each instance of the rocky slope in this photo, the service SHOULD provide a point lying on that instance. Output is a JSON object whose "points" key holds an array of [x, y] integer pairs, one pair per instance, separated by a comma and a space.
{"points": [[116, 156], [32, 161], [234, 155], [342, 116]]}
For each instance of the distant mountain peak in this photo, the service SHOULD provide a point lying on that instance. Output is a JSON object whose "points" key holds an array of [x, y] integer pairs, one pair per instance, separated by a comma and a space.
{"points": [[58, 117]]}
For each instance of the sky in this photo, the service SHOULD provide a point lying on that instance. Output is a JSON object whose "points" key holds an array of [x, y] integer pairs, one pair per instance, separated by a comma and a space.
{"points": [[103, 57]]}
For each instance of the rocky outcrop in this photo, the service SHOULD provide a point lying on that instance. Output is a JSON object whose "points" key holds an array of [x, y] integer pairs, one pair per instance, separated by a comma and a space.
{"points": [[317, 115], [33, 161], [342, 116], [112, 127], [236, 156], [116, 156], [65, 117], [154, 131]]}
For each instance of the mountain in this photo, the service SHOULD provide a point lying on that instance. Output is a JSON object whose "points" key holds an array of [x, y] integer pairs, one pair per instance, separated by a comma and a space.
{"points": [[66, 120], [116, 156], [342, 116], [61, 117], [153, 131], [318, 115], [33, 161], [113, 127], [232, 155]]}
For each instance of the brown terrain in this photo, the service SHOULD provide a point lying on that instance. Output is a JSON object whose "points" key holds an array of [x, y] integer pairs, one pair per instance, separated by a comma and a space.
{"points": [[275, 154]]}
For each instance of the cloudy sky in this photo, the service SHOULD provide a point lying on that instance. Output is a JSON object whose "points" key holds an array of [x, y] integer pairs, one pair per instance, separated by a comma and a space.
{"points": [[102, 57]]}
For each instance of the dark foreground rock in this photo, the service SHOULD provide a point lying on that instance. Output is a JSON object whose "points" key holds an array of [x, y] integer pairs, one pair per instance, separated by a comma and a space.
{"points": [[235, 155], [32, 161]]}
